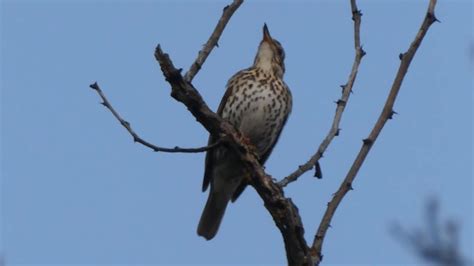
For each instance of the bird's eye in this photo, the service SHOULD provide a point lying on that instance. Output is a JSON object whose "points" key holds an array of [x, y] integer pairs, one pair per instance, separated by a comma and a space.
{"points": [[281, 53], [279, 50]]}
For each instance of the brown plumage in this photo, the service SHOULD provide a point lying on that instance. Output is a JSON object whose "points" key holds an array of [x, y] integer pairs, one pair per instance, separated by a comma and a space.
{"points": [[257, 102]]}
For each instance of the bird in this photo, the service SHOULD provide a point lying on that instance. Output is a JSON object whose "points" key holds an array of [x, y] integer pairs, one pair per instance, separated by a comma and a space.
{"points": [[257, 102]]}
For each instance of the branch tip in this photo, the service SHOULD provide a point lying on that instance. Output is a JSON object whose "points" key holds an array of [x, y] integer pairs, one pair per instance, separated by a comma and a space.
{"points": [[158, 50], [94, 86]]}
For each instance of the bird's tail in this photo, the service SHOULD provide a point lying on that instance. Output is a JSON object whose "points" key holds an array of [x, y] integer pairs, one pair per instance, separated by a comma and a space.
{"points": [[212, 215]]}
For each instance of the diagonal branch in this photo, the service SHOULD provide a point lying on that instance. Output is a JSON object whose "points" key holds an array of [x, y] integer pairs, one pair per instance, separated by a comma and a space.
{"points": [[341, 105], [213, 40], [386, 114], [137, 138], [284, 212]]}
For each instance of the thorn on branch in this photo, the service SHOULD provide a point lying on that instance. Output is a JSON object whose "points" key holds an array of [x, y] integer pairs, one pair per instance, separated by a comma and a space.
{"points": [[400, 56], [349, 186], [343, 87], [368, 141], [356, 13], [341, 102], [225, 8], [390, 116], [362, 52], [433, 18], [337, 132]]}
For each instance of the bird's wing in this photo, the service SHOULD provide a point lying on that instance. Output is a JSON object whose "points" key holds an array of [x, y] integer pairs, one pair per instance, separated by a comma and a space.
{"points": [[209, 163]]}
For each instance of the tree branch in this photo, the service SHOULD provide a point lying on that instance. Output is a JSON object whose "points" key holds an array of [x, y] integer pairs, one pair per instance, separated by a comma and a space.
{"points": [[283, 211], [137, 138], [341, 105], [213, 39], [386, 114]]}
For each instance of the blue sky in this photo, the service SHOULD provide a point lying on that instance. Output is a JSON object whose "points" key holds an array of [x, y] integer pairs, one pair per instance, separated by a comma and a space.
{"points": [[77, 190]]}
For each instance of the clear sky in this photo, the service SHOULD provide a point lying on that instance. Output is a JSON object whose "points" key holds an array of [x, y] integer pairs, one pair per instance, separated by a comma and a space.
{"points": [[77, 190]]}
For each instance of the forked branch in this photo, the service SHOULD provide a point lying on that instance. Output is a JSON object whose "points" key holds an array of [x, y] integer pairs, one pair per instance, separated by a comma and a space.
{"points": [[284, 212], [194, 69], [386, 114], [341, 105]]}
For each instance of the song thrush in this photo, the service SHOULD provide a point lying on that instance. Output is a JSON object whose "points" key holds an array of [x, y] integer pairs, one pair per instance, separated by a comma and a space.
{"points": [[257, 102]]}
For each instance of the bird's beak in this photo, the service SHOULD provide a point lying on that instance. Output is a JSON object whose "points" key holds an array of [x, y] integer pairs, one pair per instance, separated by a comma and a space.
{"points": [[266, 34]]}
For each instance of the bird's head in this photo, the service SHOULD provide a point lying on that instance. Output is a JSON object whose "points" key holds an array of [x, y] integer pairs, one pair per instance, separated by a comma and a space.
{"points": [[270, 55]]}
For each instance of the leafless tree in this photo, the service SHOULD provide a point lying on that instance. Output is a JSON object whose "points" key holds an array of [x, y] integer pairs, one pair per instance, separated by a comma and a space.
{"points": [[436, 242], [284, 212]]}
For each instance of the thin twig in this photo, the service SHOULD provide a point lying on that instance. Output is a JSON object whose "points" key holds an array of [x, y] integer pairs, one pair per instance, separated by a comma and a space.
{"points": [[386, 114], [341, 105], [137, 138], [213, 40], [284, 212]]}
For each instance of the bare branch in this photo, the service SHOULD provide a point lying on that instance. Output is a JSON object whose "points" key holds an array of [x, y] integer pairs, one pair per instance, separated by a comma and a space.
{"points": [[213, 39], [137, 138], [386, 114], [341, 105], [284, 212]]}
